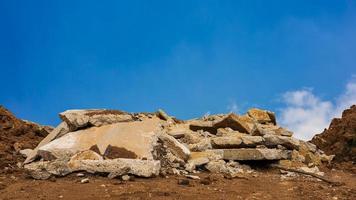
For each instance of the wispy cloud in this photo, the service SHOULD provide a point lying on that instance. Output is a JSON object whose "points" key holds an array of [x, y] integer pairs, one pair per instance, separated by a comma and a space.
{"points": [[307, 114], [232, 107]]}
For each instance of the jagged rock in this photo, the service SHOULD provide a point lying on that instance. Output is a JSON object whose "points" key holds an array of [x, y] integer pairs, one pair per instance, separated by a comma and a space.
{"points": [[84, 155], [62, 128], [235, 122], [222, 132], [193, 163], [196, 125], [178, 130], [144, 168], [262, 116], [236, 141], [177, 148], [275, 140], [268, 129], [255, 154], [138, 137], [44, 169], [77, 119], [203, 145], [217, 166], [26, 152]]}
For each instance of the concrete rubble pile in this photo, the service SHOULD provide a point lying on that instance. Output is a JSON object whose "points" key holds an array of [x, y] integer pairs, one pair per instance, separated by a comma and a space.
{"points": [[118, 143]]}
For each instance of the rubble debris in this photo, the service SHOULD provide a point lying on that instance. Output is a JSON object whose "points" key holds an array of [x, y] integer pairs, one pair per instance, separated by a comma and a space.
{"points": [[124, 145]]}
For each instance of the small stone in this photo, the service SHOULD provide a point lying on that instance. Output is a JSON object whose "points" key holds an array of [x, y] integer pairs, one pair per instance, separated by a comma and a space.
{"points": [[125, 177], [183, 182], [80, 175], [60, 196], [193, 177], [85, 180]]}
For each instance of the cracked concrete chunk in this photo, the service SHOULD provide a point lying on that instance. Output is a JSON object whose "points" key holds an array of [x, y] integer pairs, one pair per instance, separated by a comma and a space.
{"points": [[61, 129], [235, 122], [138, 137], [255, 154], [77, 119], [262, 116], [177, 148], [144, 168], [275, 140], [236, 141]]}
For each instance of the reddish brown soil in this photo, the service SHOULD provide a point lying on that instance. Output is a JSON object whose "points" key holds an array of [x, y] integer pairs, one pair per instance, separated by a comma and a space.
{"points": [[340, 138], [266, 185], [16, 134]]}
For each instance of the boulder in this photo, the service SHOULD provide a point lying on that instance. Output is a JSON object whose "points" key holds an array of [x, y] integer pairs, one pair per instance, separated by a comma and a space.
{"points": [[136, 138], [262, 116], [177, 148], [255, 154]]}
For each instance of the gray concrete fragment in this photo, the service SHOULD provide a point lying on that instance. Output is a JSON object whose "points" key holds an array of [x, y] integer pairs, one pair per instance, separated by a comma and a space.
{"points": [[255, 154], [144, 168], [275, 140], [177, 148], [62, 128]]}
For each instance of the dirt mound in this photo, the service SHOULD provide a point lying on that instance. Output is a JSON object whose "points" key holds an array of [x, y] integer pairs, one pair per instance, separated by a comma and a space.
{"points": [[16, 134], [340, 138]]}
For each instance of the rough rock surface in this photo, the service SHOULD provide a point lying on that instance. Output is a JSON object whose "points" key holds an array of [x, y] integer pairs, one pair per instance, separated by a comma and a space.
{"points": [[15, 135], [340, 138]]}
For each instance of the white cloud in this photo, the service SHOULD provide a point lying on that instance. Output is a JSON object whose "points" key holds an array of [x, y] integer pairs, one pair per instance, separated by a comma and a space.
{"points": [[306, 114], [232, 107]]}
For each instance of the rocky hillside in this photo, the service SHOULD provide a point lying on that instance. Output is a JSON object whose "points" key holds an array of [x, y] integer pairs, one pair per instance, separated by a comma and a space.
{"points": [[340, 138], [16, 134]]}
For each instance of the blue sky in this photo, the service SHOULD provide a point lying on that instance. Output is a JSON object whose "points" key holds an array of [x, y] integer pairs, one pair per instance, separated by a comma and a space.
{"points": [[187, 57]]}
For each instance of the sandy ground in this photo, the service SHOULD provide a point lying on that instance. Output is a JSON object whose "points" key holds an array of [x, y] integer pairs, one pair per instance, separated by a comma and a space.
{"points": [[261, 185]]}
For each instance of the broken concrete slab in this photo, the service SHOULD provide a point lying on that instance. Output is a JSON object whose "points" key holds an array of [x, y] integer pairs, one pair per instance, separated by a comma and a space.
{"points": [[275, 140], [203, 145], [262, 116], [77, 119], [121, 135], [62, 128], [264, 129], [45, 169], [236, 141], [177, 148], [235, 122], [143, 168], [178, 130], [255, 154]]}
